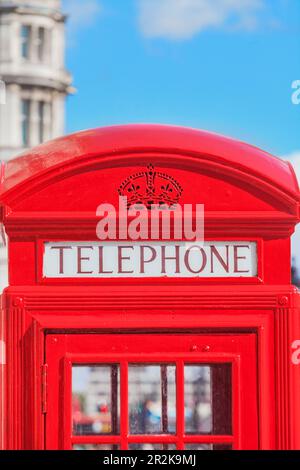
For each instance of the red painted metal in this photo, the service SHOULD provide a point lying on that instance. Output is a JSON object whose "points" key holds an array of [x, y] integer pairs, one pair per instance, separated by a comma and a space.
{"points": [[119, 141], [52, 194], [124, 404], [180, 403]]}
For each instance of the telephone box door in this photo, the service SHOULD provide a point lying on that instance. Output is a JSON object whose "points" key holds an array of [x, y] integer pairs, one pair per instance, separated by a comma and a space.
{"points": [[151, 391]]}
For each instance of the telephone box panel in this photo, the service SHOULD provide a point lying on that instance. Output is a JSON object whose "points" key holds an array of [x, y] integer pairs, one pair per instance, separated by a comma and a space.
{"points": [[150, 303]]}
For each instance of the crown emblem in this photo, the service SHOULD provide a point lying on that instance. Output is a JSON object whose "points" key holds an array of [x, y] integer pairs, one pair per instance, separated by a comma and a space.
{"points": [[150, 188]]}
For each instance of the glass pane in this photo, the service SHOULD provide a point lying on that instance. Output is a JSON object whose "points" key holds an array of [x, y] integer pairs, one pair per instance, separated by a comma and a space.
{"points": [[41, 43], [151, 446], [25, 116], [95, 395], [152, 399], [208, 447], [95, 447], [198, 399], [41, 108], [222, 399], [198, 447], [208, 399], [25, 41], [222, 447]]}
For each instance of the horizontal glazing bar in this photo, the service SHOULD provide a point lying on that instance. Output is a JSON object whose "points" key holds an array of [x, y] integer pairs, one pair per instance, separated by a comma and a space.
{"points": [[154, 358]]}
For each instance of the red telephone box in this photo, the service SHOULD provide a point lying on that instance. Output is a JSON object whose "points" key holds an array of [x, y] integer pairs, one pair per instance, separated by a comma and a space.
{"points": [[131, 344]]}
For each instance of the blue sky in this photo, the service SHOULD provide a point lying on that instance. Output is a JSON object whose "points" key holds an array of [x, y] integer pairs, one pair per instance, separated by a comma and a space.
{"points": [[221, 65]]}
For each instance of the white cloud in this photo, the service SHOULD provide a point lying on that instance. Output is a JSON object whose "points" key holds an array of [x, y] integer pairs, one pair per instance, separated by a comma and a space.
{"points": [[182, 19], [81, 14]]}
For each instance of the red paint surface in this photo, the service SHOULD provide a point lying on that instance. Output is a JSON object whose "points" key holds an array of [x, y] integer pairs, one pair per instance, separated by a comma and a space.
{"points": [[52, 194]]}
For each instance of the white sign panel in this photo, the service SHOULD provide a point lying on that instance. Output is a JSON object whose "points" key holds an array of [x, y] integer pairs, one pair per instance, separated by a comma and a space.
{"points": [[149, 259]]}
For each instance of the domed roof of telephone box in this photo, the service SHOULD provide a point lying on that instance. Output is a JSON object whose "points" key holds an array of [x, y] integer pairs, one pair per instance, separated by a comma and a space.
{"points": [[119, 141]]}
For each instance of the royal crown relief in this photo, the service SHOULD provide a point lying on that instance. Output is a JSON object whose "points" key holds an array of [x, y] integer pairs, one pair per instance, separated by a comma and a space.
{"points": [[151, 188], [131, 252]]}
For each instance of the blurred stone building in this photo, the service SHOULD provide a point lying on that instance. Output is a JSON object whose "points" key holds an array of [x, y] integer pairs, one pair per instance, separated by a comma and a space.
{"points": [[295, 274], [32, 67], [33, 80]]}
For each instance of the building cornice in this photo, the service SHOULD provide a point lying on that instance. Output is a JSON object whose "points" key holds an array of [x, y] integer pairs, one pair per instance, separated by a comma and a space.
{"points": [[31, 10], [62, 85]]}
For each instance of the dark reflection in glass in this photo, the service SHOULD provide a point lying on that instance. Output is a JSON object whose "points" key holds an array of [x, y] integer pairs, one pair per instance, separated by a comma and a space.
{"points": [[208, 447], [152, 399], [222, 399], [95, 399], [222, 447]]}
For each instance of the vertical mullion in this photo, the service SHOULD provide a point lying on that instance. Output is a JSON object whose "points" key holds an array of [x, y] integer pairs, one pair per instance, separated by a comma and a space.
{"points": [[180, 404], [236, 405], [68, 415], [114, 399], [124, 404], [164, 400]]}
